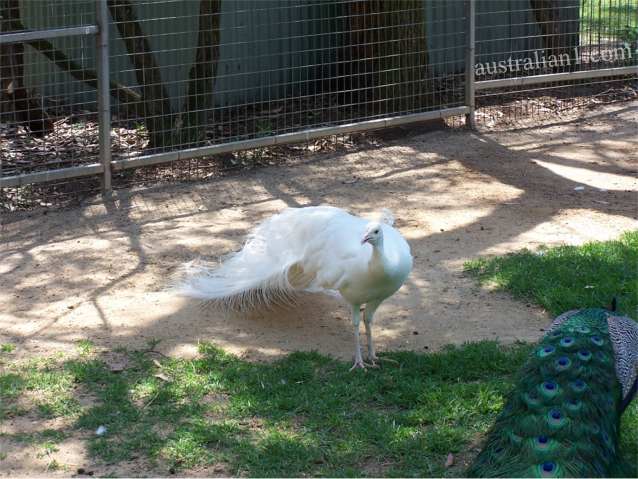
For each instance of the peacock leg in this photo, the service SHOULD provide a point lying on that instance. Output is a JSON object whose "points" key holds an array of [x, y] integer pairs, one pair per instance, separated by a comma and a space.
{"points": [[356, 319], [368, 317], [371, 308]]}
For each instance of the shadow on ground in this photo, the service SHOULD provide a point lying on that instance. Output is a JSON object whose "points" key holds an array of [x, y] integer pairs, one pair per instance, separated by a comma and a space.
{"points": [[99, 271]]}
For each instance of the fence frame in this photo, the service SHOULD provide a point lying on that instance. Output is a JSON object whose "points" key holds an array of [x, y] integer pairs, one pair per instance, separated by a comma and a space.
{"points": [[103, 93], [106, 164], [470, 50], [554, 77], [76, 171]]}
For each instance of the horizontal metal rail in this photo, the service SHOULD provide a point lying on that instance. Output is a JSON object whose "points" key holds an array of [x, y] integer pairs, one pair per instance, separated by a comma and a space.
{"points": [[555, 77], [97, 168], [52, 175], [285, 138], [29, 35]]}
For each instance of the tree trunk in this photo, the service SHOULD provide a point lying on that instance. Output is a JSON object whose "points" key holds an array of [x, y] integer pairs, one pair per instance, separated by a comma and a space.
{"points": [[355, 68], [158, 113], [560, 33], [388, 57], [202, 74], [402, 57]]}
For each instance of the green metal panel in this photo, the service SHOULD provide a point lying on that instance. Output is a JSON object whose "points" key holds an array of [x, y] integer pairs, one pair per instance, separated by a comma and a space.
{"points": [[446, 37], [508, 28], [270, 49], [42, 74]]}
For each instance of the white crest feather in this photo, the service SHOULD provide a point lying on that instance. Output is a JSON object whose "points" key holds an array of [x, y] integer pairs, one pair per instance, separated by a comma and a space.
{"points": [[385, 216]]}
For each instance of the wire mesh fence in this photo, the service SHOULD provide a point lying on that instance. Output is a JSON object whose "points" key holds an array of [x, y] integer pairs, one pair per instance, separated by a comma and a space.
{"points": [[47, 106], [255, 69], [563, 39], [200, 87]]}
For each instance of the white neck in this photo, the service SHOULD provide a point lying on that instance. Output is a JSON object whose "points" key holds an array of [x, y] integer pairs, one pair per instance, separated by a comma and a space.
{"points": [[377, 253]]}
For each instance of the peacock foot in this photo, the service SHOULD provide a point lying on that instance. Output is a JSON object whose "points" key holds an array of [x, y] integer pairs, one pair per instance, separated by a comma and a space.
{"points": [[359, 364], [374, 360]]}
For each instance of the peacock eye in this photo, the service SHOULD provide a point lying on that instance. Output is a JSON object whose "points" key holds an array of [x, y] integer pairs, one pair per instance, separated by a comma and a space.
{"points": [[376, 232]]}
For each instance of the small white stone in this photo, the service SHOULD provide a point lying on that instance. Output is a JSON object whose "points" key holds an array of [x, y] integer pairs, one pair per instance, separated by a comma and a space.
{"points": [[100, 431]]}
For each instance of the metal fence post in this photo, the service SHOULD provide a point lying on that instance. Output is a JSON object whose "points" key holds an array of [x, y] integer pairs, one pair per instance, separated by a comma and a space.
{"points": [[103, 93], [470, 30]]}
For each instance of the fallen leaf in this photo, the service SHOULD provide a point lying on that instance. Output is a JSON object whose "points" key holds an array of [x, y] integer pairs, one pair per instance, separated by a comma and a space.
{"points": [[118, 367], [449, 462], [163, 377], [116, 362]]}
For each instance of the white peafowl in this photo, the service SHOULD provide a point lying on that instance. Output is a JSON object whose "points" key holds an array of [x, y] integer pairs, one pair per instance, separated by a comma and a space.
{"points": [[311, 249]]}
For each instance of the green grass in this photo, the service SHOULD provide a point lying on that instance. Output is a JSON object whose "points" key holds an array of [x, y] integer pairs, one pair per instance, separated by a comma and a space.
{"points": [[610, 18], [85, 346], [568, 277], [7, 348], [302, 415]]}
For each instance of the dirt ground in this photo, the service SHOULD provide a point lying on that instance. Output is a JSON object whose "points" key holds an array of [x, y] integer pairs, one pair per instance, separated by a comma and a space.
{"points": [[98, 271]]}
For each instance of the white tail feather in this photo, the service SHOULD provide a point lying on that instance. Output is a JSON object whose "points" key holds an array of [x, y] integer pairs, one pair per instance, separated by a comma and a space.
{"points": [[254, 277], [235, 285]]}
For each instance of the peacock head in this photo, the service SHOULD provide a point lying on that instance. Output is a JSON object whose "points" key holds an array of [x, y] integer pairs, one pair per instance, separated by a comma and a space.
{"points": [[373, 234]]}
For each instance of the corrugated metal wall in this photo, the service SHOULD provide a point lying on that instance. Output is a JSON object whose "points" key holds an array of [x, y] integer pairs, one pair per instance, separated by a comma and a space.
{"points": [[42, 74], [508, 27], [269, 48]]}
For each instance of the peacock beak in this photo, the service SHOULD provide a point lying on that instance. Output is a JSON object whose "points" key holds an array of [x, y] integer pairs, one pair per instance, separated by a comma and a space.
{"points": [[365, 239]]}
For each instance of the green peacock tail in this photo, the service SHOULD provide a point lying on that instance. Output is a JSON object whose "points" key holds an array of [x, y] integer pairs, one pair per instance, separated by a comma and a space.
{"points": [[563, 417]]}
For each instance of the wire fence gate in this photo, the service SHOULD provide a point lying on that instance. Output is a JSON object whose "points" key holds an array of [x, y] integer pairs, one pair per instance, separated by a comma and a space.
{"points": [[96, 94]]}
